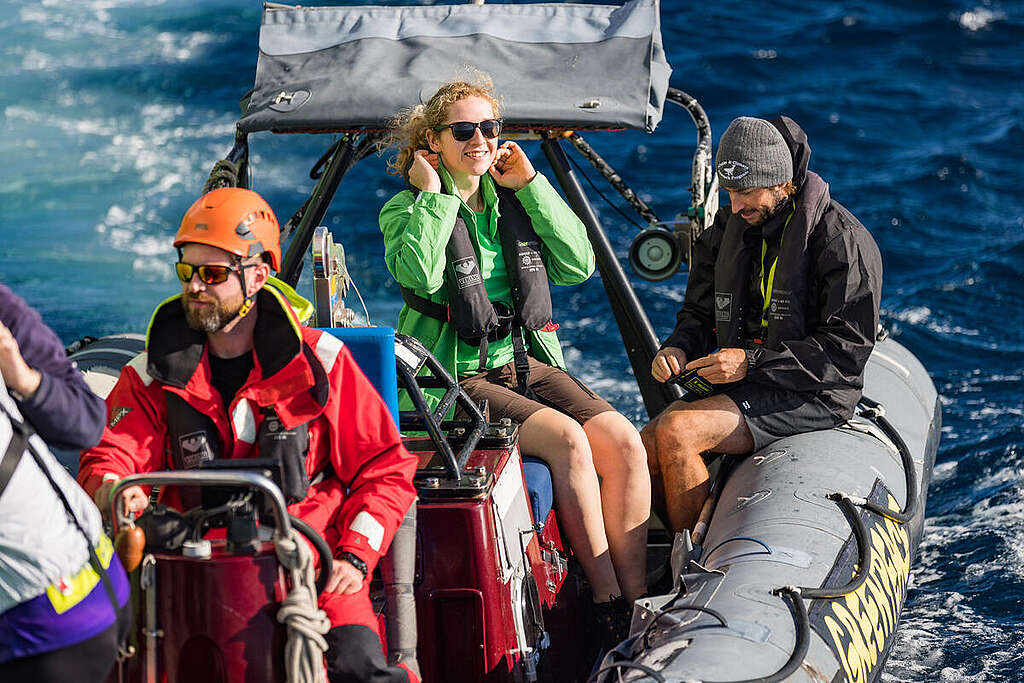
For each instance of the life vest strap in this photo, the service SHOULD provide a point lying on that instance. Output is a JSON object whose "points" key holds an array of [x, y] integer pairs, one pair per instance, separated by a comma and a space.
{"points": [[425, 306], [437, 311], [522, 364]]}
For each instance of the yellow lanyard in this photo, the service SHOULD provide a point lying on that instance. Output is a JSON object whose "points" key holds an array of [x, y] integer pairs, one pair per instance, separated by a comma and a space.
{"points": [[766, 292]]}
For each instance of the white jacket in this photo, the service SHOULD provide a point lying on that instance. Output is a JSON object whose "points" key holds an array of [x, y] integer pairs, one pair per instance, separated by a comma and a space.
{"points": [[38, 542]]}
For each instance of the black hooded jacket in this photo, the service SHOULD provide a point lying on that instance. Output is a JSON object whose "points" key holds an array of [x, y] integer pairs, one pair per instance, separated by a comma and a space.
{"points": [[823, 311]]}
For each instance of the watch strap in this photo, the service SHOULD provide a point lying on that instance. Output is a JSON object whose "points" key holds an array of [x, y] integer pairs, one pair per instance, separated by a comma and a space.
{"points": [[354, 560]]}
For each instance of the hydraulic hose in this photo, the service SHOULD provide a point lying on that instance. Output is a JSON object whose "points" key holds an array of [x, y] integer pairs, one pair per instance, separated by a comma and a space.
{"points": [[645, 637], [626, 664], [803, 638], [875, 412], [863, 553], [322, 549], [801, 625], [697, 113]]}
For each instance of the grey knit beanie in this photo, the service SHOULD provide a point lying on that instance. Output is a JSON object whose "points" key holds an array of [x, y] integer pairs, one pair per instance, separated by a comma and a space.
{"points": [[752, 153]]}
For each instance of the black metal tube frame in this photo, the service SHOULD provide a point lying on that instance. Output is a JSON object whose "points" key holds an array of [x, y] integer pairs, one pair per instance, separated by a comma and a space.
{"points": [[635, 328], [347, 154]]}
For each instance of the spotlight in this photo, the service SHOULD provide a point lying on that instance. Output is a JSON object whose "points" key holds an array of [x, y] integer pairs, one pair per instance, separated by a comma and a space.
{"points": [[655, 254]]}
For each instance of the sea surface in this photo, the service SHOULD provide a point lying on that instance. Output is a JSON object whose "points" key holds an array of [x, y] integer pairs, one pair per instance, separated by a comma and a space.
{"points": [[114, 111]]}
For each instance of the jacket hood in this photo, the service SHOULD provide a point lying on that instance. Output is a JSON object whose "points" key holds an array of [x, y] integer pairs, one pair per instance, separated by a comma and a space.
{"points": [[796, 139]]}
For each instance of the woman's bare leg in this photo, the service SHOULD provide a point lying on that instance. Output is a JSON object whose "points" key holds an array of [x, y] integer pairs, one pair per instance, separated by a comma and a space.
{"points": [[561, 442], [621, 462]]}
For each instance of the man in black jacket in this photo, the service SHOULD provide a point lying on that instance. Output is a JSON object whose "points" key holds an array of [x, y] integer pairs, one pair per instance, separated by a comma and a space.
{"points": [[780, 315]]}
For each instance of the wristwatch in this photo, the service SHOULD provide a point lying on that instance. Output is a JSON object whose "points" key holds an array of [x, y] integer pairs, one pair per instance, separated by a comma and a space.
{"points": [[353, 560]]}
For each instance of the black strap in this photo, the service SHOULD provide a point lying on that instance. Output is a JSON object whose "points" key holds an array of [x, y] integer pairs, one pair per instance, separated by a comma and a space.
{"points": [[420, 304], [15, 449], [24, 431], [521, 361], [432, 309], [482, 365]]}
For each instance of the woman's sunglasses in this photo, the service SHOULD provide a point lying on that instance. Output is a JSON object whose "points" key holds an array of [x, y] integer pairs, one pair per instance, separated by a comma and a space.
{"points": [[208, 274], [464, 130]]}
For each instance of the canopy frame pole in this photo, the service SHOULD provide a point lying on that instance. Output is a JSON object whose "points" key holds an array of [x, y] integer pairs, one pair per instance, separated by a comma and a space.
{"points": [[635, 328], [344, 158]]}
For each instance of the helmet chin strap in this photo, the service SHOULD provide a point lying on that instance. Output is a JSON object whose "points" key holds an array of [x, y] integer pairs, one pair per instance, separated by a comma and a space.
{"points": [[247, 304]]}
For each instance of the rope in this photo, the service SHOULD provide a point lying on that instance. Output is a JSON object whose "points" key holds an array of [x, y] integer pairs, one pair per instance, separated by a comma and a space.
{"points": [[224, 174], [306, 623], [614, 179]]}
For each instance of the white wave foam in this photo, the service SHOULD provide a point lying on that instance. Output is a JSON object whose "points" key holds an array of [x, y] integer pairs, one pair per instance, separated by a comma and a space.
{"points": [[979, 18], [915, 316], [922, 315], [944, 470], [177, 47], [86, 35], [939, 622]]}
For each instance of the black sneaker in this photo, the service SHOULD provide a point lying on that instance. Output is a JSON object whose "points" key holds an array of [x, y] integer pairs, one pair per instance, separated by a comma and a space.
{"points": [[612, 621]]}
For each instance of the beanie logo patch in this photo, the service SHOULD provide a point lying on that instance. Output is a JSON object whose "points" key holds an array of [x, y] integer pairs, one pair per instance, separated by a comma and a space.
{"points": [[733, 170]]}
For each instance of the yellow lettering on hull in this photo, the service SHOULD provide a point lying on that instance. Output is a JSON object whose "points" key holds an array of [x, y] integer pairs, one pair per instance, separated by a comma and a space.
{"points": [[861, 624]]}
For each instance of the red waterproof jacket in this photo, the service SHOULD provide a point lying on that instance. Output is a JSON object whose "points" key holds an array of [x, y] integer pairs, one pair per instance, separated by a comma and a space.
{"points": [[308, 377]]}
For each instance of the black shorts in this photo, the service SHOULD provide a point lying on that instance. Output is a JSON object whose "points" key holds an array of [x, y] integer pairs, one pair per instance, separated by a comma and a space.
{"points": [[773, 413], [553, 387]]}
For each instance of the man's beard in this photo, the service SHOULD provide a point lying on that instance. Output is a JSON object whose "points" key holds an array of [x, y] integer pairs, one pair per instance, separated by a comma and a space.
{"points": [[765, 214], [212, 318]]}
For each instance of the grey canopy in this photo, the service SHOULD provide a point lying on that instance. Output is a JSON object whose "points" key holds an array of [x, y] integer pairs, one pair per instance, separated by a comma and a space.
{"points": [[554, 65]]}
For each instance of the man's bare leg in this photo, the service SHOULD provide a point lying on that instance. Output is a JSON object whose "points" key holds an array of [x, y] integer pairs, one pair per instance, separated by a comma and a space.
{"points": [[675, 442]]}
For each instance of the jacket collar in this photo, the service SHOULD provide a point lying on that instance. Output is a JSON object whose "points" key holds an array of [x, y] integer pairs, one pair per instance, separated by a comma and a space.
{"points": [[176, 351], [490, 194]]}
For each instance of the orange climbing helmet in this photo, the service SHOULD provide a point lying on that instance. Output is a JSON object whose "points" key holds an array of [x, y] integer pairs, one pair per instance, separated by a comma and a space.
{"points": [[234, 219]]}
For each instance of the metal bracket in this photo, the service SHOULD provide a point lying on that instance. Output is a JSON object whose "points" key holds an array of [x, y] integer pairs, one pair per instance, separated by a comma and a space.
{"points": [[330, 281]]}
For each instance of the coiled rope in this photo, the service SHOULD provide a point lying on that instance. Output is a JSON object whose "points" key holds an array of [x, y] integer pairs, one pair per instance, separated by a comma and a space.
{"points": [[306, 623]]}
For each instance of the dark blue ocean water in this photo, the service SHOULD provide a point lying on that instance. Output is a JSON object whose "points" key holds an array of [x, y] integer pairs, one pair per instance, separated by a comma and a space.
{"points": [[115, 110]]}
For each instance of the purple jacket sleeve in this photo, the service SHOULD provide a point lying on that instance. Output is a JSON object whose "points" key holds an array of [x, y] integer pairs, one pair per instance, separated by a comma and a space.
{"points": [[65, 412]]}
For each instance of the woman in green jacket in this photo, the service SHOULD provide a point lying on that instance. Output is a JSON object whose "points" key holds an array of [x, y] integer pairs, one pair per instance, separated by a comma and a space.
{"points": [[449, 153]]}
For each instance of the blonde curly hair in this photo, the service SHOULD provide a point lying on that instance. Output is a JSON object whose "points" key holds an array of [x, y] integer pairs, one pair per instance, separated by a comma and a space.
{"points": [[408, 130]]}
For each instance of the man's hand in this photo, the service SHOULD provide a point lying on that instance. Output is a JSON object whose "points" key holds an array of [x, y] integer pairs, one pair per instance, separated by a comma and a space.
{"points": [[133, 499], [511, 167], [668, 363], [17, 374], [722, 367], [345, 578]]}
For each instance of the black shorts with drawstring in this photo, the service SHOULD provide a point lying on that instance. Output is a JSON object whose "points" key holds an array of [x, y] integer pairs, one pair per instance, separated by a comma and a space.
{"points": [[773, 413]]}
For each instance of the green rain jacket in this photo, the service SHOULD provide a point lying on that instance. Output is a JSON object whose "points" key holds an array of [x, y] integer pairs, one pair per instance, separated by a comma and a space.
{"points": [[416, 230]]}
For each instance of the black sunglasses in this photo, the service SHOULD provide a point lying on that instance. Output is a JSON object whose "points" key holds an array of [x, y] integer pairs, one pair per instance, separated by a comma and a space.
{"points": [[208, 274], [464, 130]]}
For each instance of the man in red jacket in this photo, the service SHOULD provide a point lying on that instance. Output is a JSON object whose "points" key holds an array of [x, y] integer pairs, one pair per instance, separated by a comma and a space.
{"points": [[229, 372]]}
